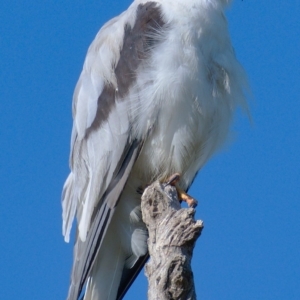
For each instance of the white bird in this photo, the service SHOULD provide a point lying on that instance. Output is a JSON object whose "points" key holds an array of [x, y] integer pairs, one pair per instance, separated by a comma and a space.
{"points": [[156, 96]]}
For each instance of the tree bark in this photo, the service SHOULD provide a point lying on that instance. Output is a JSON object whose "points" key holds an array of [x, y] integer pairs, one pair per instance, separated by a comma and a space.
{"points": [[172, 236]]}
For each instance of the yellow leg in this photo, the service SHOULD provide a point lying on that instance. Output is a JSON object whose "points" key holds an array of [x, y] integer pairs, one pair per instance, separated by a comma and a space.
{"points": [[182, 195]]}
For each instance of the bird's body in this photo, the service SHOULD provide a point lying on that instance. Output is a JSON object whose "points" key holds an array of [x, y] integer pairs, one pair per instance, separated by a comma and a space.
{"points": [[156, 96]]}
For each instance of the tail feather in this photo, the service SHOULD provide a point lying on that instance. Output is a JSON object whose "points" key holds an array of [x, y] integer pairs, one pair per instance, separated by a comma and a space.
{"points": [[68, 207], [107, 271]]}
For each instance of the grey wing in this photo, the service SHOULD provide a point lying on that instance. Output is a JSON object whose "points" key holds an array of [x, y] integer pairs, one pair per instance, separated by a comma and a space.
{"points": [[101, 129], [86, 252], [105, 143], [103, 149]]}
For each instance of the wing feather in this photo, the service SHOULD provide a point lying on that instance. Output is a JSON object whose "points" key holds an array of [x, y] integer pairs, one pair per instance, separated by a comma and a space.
{"points": [[86, 252], [104, 147], [91, 156]]}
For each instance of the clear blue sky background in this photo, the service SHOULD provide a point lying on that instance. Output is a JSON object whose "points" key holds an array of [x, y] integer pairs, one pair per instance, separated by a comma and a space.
{"points": [[248, 193]]}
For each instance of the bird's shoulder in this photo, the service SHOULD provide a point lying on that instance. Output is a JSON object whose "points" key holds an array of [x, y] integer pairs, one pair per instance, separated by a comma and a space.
{"points": [[112, 60]]}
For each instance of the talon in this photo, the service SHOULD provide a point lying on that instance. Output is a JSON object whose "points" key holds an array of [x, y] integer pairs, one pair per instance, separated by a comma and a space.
{"points": [[183, 196]]}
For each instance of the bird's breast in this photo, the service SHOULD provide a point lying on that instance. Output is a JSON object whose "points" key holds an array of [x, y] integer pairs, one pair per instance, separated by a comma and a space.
{"points": [[184, 111]]}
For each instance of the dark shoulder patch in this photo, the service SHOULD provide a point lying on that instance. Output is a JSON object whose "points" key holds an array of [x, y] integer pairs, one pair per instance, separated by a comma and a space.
{"points": [[138, 40]]}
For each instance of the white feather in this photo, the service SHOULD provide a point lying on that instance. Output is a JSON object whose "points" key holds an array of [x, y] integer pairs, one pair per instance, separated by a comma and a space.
{"points": [[181, 104]]}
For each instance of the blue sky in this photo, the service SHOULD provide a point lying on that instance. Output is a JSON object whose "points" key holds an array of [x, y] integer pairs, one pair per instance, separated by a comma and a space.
{"points": [[248, 193]]}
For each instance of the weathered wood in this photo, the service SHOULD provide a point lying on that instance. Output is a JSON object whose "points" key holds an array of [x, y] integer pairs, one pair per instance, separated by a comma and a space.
{"points": [[172, 236]]}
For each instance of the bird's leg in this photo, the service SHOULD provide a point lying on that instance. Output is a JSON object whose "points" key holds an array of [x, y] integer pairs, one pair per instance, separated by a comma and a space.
{"points": [[182, 195]]}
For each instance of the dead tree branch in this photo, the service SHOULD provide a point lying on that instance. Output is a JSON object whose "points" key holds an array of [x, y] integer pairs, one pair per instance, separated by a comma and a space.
{"points": [[172, 236]]}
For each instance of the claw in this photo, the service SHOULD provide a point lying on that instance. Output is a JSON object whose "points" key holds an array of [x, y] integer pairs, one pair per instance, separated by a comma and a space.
{"points": [[182, 195]]}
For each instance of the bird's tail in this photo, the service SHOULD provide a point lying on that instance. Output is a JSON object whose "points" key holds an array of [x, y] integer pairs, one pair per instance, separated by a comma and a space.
{"points": [[104, 280]]}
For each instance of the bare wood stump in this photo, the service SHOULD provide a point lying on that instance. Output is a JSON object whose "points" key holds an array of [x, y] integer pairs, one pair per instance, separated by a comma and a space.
{"points": [[172, 236]]}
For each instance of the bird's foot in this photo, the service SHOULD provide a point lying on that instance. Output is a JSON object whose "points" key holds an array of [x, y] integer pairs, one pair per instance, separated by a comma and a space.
{"points": [[182, 195]]}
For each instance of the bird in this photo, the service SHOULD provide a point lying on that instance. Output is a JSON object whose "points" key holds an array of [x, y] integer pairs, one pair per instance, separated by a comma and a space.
{"points": [[156, 96]]}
